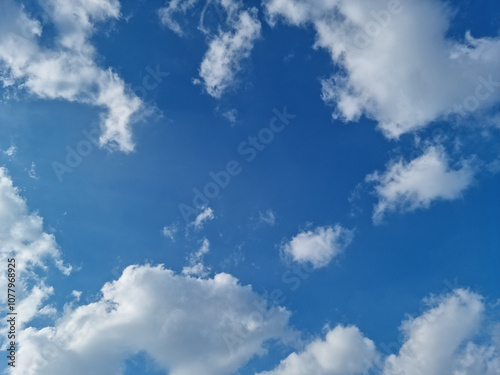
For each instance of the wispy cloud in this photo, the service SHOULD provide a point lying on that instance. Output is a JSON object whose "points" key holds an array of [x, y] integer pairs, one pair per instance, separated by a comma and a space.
{"points": [[196, 266], [32, 171], [228, 47], [205, 215], [226, 51], [170, 231], [11, 151], [231, 115], [268, 217]]}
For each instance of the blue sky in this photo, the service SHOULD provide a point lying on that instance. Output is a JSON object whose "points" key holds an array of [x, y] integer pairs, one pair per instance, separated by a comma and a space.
{"points": [[354, 229]]}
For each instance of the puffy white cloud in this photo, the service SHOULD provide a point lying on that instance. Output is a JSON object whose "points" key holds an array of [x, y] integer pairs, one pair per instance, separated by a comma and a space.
{"points": [[318, 247], [68, 69], [190, 325], [478, 360], [344, 351], [182, 323], [429, 177], [186, 325], [393, 69], [227, 48], [75, 20], [437, 342], [214, 326]]}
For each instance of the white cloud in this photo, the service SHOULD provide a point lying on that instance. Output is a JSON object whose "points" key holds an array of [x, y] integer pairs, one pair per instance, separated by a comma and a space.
{"points": [[196, 266], [231, 115], [21, 233], [437, 341], [227, 48], [191, 325], [393, 69], [77, 294], [68, 70], [11, 151], [409, 186], [31, 304], [182, 323], [204, 249], [167, 14], [186, 325], [48, 311], [318, 247], [226, 51], [206, 215], [22, 238], [170, 231], [268, 217], [225, 10], [32, 172], [344, 351]]}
